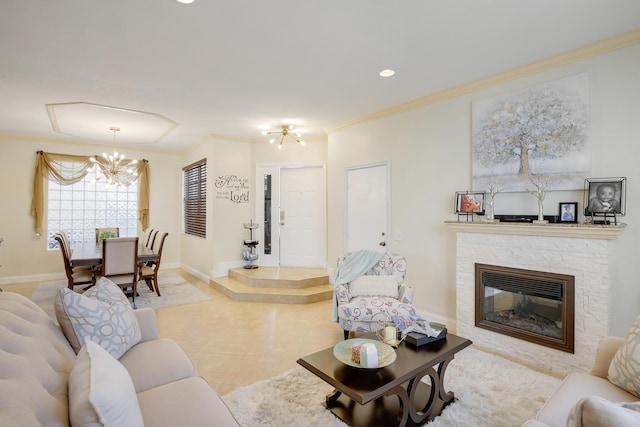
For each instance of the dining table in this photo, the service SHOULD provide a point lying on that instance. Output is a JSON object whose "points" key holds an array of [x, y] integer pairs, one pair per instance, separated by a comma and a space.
{"points": [[91, 254]]}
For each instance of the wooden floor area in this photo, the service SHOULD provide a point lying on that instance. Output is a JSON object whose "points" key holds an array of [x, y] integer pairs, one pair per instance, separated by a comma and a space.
{"points": [[282, 285]]}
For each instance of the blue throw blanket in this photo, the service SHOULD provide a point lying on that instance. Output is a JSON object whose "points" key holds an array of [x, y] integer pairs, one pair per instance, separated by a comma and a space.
{"points": [[354, 265]]}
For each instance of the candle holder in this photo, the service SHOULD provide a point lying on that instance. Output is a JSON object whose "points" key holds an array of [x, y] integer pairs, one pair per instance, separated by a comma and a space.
{"points": [[387, 331]]}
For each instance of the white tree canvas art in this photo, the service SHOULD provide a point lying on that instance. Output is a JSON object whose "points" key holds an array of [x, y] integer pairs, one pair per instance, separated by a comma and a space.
{"points": [[538, 132]]}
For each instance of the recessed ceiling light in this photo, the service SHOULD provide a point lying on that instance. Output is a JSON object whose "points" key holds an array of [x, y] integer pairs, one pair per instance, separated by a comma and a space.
{"points": [[387, 73], [185, 1]]}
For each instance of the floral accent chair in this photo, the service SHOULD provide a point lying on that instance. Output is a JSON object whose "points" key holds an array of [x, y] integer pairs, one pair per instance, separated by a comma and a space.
{"points": [[360, 310]]}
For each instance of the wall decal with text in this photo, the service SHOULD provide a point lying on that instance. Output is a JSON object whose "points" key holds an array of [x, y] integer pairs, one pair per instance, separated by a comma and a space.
{"points": [[230, 187]]}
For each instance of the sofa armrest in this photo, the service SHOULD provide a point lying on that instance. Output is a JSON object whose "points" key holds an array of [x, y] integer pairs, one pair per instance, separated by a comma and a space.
{"points": [[607, 348], [147, 322], [406, 294], [342, 294]]}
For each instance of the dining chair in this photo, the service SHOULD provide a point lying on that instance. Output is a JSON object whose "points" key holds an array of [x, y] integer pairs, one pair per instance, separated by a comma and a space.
{"points": [[145, 236], [103, 232], [75, 275], [149, 271], [152, 238], [120, 263]]}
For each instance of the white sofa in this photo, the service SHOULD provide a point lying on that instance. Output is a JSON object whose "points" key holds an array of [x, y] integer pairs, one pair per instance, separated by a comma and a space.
{"points": [[579, 385], [36, 364]]}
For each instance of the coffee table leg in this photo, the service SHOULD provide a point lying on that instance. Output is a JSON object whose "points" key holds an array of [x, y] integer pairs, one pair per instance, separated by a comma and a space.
{"points": [[333, 396], [446, 397], [419, 415], [405, 402]]}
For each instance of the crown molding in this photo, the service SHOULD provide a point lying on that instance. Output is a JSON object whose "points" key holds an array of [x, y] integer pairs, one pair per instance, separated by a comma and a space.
{"points": [[47, 140], [569, 57]]}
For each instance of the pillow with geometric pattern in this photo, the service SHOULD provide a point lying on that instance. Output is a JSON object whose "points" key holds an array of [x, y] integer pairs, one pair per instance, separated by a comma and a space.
{"points": [[103, 315], [624, 370]]}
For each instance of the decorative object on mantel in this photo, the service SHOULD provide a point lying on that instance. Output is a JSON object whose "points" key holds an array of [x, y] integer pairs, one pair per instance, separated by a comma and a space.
{"points": [[250, 254], [468, 203], [540, 192], [568, 212], [604, 197], [492, 191]]}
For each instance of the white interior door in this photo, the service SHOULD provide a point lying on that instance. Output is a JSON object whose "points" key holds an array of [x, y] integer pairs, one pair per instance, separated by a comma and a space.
{"points": [[302, 217], [368, 207]]}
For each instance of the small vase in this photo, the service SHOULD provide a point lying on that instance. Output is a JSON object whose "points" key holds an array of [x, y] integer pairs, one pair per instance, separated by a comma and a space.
{"points": [[490, 216]]}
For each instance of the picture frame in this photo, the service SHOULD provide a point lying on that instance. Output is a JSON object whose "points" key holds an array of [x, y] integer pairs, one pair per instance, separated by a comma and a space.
{"points": [[568, 212], [469, 202], [605, 196]]}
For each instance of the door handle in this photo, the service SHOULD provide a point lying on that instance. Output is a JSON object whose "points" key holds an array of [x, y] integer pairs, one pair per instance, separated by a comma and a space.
{"points": [[383, 243], [281, 217]]}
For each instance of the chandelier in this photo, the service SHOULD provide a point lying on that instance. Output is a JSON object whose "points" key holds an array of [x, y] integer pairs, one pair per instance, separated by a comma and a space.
{"points": [[115, 169], [281, 134]]}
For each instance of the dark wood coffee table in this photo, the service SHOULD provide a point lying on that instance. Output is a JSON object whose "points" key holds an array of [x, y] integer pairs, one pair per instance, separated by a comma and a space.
{"points": [[374, 389]]}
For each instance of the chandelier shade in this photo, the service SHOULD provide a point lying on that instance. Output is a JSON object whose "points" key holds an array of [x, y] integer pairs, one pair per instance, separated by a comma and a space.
{"points": [[114, 167], [282, 134]]}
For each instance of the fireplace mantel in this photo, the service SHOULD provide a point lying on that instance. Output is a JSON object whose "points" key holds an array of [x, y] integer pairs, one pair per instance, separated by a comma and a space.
{"points": [[584, 231]]}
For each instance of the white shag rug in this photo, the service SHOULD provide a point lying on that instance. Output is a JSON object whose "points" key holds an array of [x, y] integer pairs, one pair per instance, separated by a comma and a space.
{"points": [[174, 290], [490, 391]]}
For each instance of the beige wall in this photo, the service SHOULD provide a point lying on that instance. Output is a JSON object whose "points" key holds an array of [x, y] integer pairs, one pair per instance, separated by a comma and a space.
{"points": [[23, 255], [223, 246], [430, 152]]}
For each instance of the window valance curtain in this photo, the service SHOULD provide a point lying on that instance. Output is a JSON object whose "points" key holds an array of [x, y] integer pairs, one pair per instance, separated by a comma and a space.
{"points": [[67, 169]]}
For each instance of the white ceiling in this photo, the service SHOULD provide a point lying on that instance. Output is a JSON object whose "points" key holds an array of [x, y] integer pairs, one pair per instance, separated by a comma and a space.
{"points": [[234, 67]]}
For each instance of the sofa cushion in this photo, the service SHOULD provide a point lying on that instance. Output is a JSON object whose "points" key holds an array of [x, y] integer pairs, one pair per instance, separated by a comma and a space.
{"points": [[624, 370], [148, 369], [574, 387], [189, 402], [374, 286], [371, 309], [103, 315], [594, 411], [101, 392]]}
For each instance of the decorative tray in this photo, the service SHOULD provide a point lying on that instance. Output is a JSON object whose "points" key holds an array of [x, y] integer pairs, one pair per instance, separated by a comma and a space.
{"points": [[342, 352]]}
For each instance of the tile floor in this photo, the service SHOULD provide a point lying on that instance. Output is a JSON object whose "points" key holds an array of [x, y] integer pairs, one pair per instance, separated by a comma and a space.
{"points": [[232, 343]]}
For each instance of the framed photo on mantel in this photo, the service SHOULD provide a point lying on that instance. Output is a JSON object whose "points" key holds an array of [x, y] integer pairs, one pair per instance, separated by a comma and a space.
{"points": [[468, 202], [568, 212]]}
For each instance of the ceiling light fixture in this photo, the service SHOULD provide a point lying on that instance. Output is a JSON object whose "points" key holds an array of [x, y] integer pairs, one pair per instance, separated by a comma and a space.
{"points": [[387, 73], [114, 168], [185, 1], [281, 134]]}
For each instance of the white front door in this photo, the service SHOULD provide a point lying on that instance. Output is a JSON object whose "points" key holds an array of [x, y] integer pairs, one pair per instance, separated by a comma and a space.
{"points": [[302, 217], [291, 209], [368, 207]]}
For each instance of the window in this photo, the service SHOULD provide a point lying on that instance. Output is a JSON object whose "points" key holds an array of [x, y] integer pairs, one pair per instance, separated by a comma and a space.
{"points": [[82, 207], [194, 181]]}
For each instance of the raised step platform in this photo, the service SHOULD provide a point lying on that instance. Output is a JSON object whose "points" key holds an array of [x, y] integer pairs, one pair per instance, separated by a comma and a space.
{"points": [[285, 285]]}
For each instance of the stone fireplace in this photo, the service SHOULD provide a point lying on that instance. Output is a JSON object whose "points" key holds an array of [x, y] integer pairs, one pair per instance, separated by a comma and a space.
{"points": [[579, 251]]}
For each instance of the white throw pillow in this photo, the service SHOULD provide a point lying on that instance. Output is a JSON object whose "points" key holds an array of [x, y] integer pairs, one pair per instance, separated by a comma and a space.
{"points": [[624, 370], [101, 392], [103, 315], [374, 286], [595, 411]]}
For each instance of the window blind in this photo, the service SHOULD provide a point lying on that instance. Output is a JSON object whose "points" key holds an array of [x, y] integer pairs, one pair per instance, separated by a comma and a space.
{"points": [[194, 179]]}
